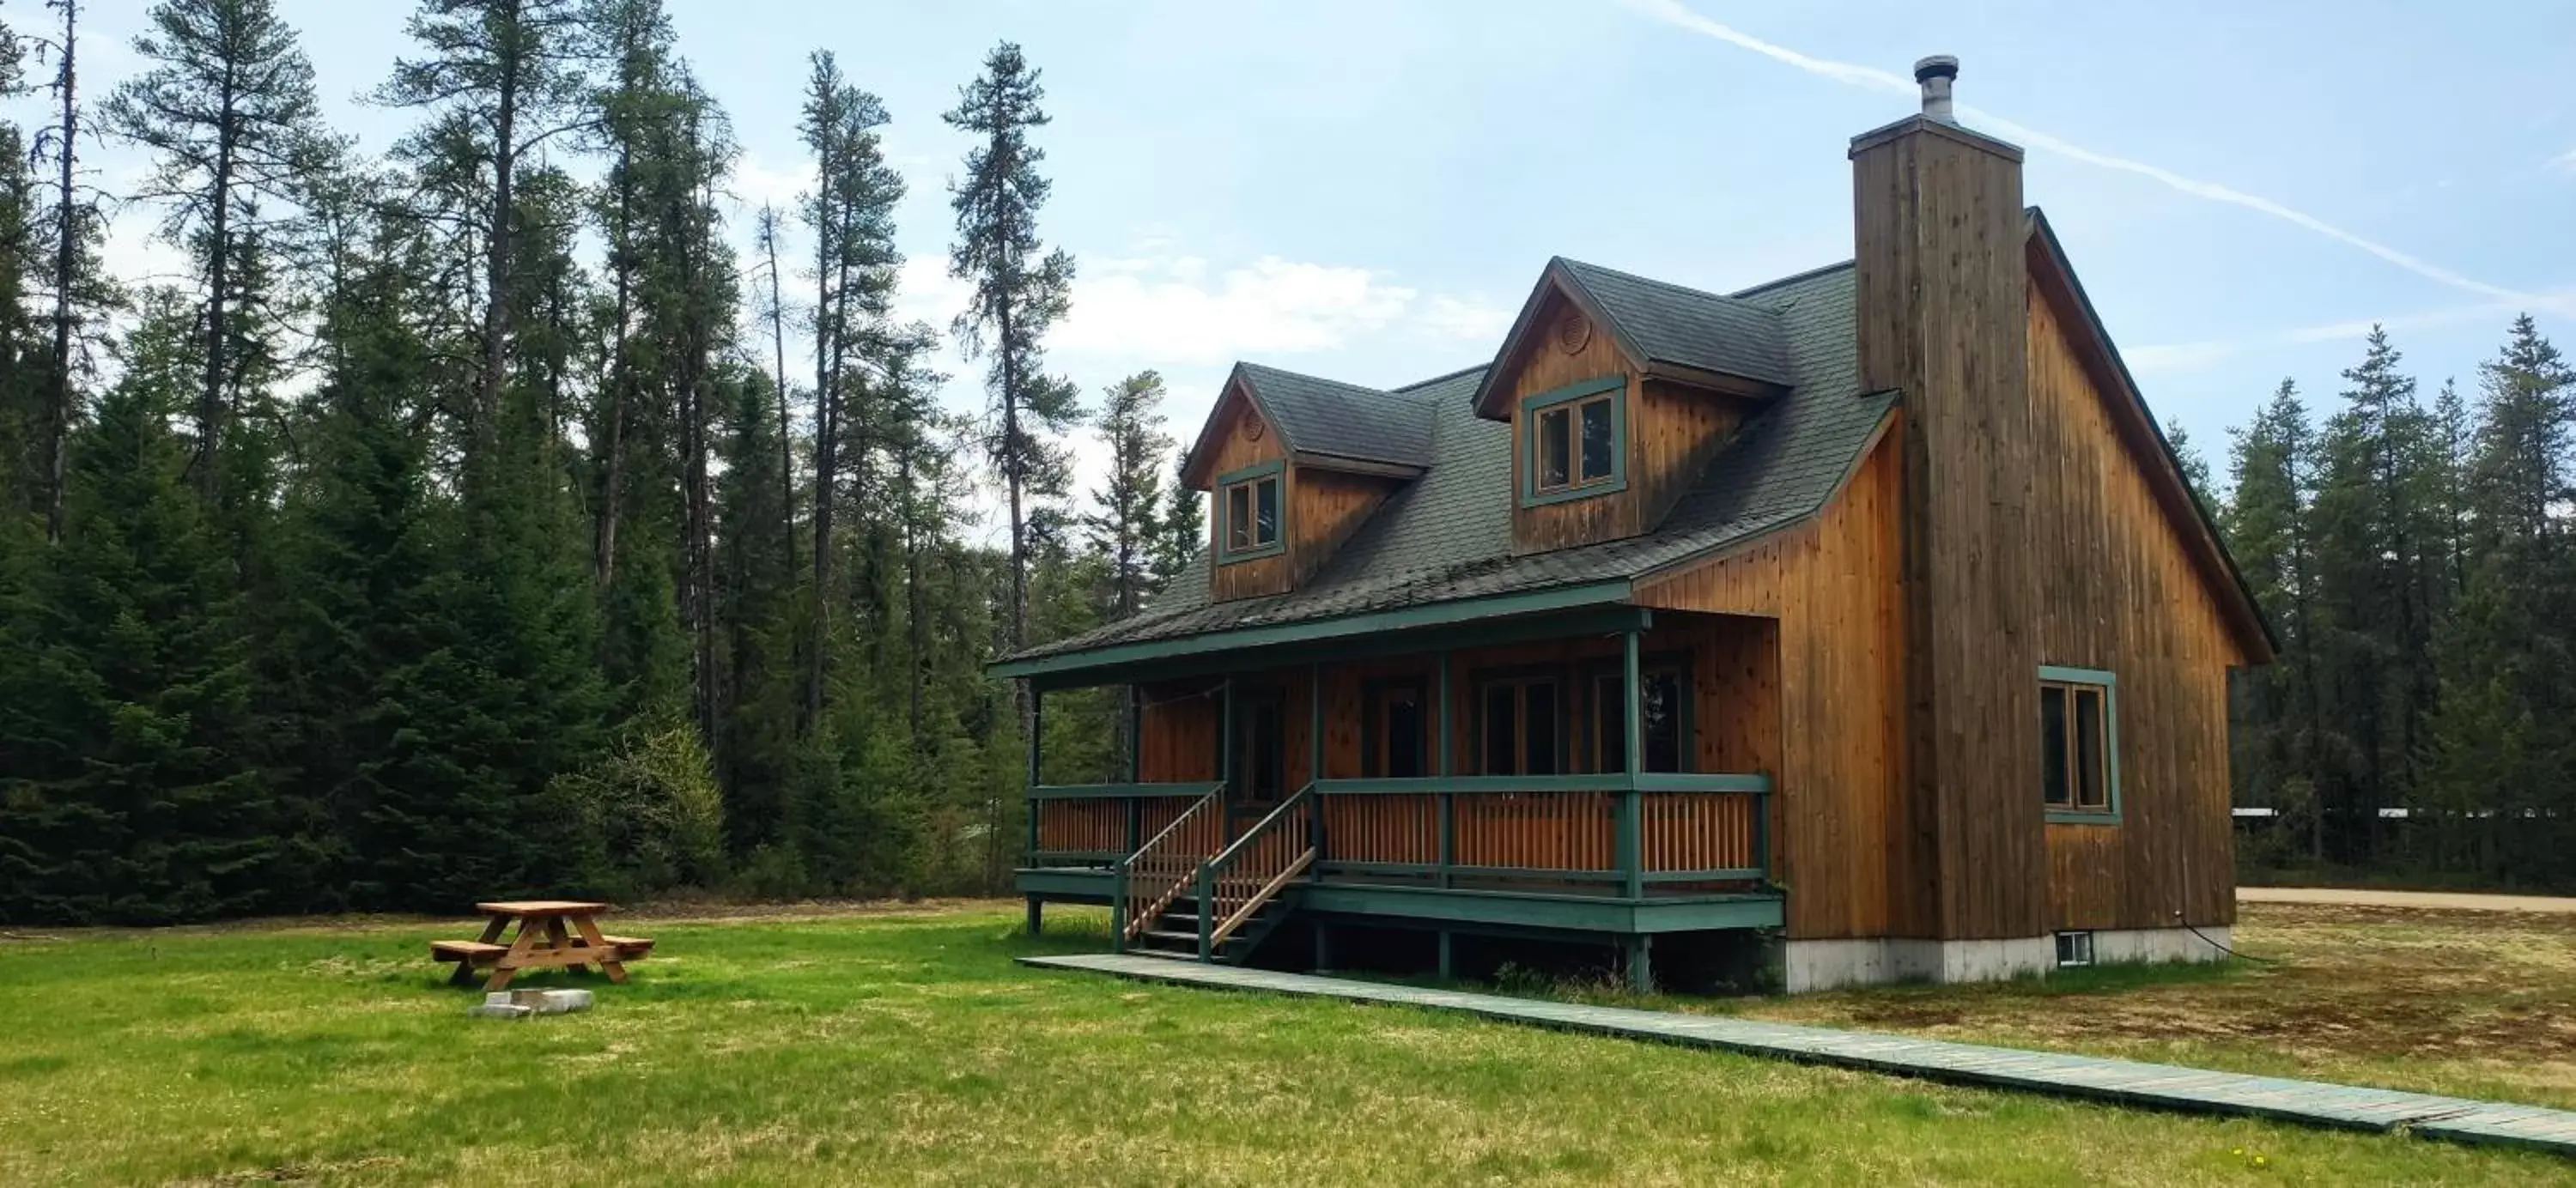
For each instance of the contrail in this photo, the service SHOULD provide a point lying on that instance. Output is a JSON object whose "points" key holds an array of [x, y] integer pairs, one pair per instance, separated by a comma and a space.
{"points": [[1673, 13]]}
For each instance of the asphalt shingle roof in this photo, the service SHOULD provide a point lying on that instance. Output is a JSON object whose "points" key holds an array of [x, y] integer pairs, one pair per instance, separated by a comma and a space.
{"points": [[1321, 416], [1670, 323], [1447, 535]]}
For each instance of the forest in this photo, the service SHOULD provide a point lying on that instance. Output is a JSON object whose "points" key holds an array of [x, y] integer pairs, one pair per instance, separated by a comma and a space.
{"points": [[460, 525]]}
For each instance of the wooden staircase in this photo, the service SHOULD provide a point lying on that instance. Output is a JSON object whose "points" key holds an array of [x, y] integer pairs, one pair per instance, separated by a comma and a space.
{"points": [[1227, 904]]}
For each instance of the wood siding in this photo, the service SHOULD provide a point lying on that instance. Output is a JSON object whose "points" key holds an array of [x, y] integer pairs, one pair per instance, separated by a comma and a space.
{"points": [[1325, 507], [1817, 678], [1542, 365], [1273, 574], [1941, 300], [1322, 508], [1673, 431], [2119, 590]]}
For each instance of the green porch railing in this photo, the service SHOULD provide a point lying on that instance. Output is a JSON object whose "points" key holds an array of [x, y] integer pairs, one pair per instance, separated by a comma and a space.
{"points": [[1633, 831], [1098, 824], [1149, 878], [1246, 874]]}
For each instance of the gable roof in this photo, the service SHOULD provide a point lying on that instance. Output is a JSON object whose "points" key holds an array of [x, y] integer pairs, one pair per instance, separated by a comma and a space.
{"points": [[2053, 277], [1327, 418], [1447, 536], [1657, 322]]}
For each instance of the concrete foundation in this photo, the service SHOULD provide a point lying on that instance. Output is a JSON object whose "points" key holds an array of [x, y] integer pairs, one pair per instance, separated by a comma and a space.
{"points": [[1831, 964]]}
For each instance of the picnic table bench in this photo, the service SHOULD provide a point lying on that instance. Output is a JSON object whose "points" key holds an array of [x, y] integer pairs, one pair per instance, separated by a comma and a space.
{"points": [[552, 934]]}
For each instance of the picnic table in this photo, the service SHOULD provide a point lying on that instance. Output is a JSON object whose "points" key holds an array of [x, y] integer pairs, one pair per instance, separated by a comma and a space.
{"points": [[552, 934]]}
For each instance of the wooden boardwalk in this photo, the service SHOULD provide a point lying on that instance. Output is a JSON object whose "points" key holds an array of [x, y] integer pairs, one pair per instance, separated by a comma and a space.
{"points": [[2126, 1082]]}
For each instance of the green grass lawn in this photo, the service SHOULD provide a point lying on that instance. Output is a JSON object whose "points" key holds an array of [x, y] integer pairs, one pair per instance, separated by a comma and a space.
{"points": [[906, 1047]]}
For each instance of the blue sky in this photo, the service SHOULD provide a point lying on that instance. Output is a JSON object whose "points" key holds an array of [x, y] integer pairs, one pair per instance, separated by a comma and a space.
{"points": [[1366, 190]]}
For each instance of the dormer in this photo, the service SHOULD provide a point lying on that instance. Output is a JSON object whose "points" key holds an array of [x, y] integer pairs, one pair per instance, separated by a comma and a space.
{"points": [[1619, 390], [1293, 465]]}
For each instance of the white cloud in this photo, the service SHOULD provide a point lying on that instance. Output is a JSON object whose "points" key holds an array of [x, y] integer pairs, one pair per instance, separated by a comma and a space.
{"points": [[1175, 310], [755, 182], [1673, 12], [2565, 162], [2187, 356]]}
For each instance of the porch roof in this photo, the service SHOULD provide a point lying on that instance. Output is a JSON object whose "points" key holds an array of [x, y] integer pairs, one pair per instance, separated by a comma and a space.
{"points": [[1444, 540]]}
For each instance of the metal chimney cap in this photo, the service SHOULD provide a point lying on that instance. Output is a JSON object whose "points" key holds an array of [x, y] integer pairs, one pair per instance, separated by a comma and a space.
{"points": [[1936, 66]]}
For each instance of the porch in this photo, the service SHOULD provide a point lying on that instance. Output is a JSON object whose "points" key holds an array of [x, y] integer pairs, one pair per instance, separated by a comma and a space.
{"points": [[1487, 778]]}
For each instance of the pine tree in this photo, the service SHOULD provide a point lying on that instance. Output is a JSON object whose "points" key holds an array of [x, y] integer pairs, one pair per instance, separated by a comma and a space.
{"points": [[2502, 749], [229, 114], [851, 215], [1127, 528], [124, 786], [496, 74], [1184, 522], [1018, 295], [2269, 528]]}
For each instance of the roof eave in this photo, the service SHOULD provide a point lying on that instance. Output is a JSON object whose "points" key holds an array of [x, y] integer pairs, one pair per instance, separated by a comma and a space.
{"points": [[1433, 614]]}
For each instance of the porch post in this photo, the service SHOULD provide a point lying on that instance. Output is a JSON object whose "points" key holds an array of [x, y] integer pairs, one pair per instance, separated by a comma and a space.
{"points": [[1135, 734], [1631, 828], [1225, 734], [1037, 731], [1315, 762], [1135, 764], [1448, 827], [1448, 967], [1641, 962], [1037, 704]]}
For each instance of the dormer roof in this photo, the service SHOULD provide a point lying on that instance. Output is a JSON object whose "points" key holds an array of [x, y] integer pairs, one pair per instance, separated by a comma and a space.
{"points": [[1661, 327], [1324, 421]]}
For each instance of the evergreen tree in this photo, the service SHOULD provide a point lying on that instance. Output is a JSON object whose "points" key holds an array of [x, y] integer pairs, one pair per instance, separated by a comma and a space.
{"points": [[1184, 522], [496, 74], [1018, 295], [228, 112], [2377, 561], [2503, 748], [123, 792], [2269, 530], [1127, 529]]}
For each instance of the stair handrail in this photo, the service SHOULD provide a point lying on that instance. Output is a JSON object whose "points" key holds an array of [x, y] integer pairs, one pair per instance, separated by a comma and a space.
{"points": [[1222, 911], [1138, 908]]}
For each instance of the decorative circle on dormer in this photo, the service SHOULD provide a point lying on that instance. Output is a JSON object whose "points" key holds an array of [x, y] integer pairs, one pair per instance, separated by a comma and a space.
{"points": [[1573, 332], [1252, 426]]}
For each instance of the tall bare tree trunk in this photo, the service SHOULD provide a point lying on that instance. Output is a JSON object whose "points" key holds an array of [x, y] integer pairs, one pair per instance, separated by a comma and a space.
{"points": [[613, 481], [496, 269], [210, 402], [58, 411], [778, 347]]}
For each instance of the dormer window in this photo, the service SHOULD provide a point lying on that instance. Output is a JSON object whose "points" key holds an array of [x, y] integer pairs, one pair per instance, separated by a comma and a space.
{"points": [[1255, 512], [1575, 441]]}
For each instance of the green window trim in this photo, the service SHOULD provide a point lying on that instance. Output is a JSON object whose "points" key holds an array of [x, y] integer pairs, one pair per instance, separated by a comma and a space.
{"points": [[1226, 553], [2110, 685], [1616, 386]]}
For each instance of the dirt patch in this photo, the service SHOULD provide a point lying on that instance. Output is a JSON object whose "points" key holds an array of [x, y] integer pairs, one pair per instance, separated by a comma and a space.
{"points": [[2340, 984]]}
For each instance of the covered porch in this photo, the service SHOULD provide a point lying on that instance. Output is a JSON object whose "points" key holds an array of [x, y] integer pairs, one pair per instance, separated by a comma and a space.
{"points": [[1484, 776]]}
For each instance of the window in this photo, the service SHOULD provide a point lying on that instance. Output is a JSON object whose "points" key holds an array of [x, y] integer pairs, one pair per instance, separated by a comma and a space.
{"points": [[1667, 717], [2074, 949], [1520, 726], [1576, 438], [1253, 512], [2079, 767], [1395, 746]]}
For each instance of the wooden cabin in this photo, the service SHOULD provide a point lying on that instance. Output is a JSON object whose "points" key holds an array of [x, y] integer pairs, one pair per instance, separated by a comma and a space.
{"points": [[1865, 611]]}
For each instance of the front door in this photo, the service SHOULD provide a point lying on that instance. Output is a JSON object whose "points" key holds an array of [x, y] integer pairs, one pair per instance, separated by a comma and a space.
{"points": [[1258, 781]]}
